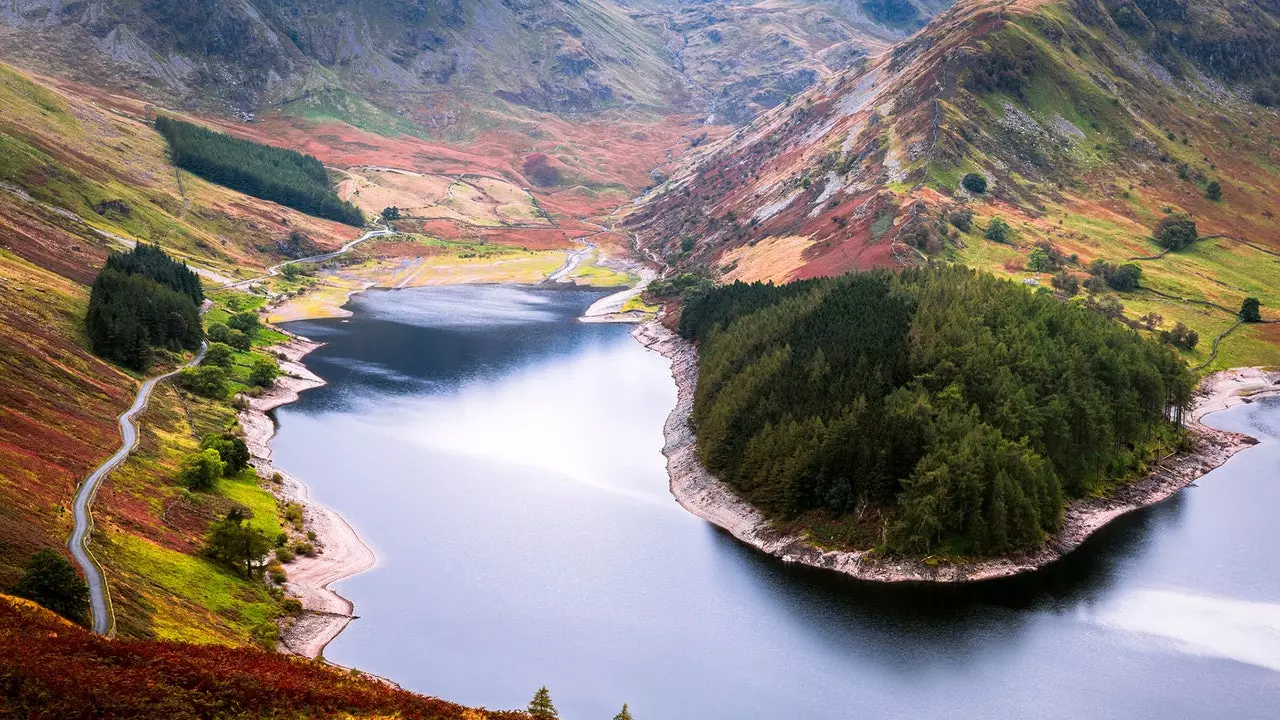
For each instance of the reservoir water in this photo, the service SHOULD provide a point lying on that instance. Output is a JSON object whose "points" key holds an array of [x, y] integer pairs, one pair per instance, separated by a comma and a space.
{"points": [[503, 461]]}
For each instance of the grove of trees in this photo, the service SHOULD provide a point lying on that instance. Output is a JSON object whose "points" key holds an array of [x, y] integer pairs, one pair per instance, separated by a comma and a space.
{"points": [[51, 581], [141, 300], [963, 408], [284, 176]]}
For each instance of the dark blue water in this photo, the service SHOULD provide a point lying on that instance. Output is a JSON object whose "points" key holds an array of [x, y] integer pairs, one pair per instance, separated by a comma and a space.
{"points": [[503, 461]]}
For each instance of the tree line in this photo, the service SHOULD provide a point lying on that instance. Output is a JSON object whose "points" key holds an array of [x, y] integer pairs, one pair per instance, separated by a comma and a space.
{"points": [[962, 408], [284, 176], [143, 299]]}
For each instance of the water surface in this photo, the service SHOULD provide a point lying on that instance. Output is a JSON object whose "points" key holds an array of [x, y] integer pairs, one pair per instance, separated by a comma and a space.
{"points": [[503, 461]]}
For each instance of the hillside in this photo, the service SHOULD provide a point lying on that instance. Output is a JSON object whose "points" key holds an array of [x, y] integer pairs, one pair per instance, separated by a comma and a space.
{"points": [[1088, 134], [53, 669]]}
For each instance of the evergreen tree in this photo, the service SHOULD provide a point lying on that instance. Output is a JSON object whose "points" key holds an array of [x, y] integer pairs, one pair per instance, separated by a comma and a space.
{"points": [[975, 183], [998, 230], [541, 706], [1213, 191], [53, 582], [625, 714]]}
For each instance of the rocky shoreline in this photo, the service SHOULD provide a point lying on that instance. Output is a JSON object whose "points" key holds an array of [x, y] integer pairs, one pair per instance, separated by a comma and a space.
{"points": [[702, 494], [325, 612]]}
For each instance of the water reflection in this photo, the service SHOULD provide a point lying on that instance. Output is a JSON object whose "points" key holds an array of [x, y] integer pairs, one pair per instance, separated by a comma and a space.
{"points": [[507, 473]]}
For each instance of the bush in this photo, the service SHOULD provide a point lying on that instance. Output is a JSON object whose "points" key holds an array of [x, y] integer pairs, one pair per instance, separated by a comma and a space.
{"points": [[284, 555], [291, 606], [1251, 310], [1181, 336], [1122, 278], [998, 231], [218, 354], [305, 549], [201, 470], [974, 183], [391, 213], [1067, 283], [962, 219], [1214, 191], [1175, 233], [51, 581]]}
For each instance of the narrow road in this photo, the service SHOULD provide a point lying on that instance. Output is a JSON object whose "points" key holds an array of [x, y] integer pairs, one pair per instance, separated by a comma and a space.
{"points": [[275, 269], [82, 505]]}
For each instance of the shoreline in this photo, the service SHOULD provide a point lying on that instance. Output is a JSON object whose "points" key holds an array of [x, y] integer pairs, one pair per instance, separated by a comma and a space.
{"points": [[325, 612], [702, 494]]}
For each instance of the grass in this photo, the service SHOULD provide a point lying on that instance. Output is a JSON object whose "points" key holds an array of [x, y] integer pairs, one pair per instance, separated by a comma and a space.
{"points": [[591, 272]]}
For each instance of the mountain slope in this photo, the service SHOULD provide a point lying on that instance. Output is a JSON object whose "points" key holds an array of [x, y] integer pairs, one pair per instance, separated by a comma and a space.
{"points": [[1087, 140]]}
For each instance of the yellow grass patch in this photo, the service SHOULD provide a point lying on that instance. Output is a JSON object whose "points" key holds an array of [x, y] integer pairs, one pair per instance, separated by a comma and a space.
{"points": [[774, 258]]}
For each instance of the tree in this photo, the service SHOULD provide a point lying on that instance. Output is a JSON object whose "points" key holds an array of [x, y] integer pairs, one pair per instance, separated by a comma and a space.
{"points": [[391, 213], [1175, 233], [1181, 336], [218, 354], [264, 372], [1213, 191], [232, 542], [239, 340], [206, 381], [1067, 283], [218, 332], [974, 183], [625, 714], [541, 706], [231, 449], [246, 322], [1039, 261], [998, 230], [1251, 310], [51, 581], [201, 470]]}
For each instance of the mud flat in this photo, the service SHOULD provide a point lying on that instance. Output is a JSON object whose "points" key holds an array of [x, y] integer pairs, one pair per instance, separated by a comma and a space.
{"points": [[343, 553], [702, 494]]}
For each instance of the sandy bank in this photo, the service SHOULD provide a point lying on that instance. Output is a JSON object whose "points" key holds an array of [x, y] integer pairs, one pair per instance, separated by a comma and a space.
{"points": [[344, 554], [699, 492]]}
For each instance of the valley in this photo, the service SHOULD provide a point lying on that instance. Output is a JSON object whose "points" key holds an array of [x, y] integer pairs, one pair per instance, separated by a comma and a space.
{"points": [[974, 303]]}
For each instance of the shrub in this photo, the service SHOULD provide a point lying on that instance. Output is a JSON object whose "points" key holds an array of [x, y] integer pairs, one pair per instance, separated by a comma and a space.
{"points": [[1251, 310], [305, 549], [284, 555], [1181, 336], [1067, 283], [998, 231], [1214, 191], [51, 581], [962, 219], [1176, 232], [291, 606], [974, 183], [391, 213]]}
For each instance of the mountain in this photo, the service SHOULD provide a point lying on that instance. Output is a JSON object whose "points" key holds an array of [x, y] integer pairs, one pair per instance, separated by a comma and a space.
{"points": [[247, 56], [1091, 121]]}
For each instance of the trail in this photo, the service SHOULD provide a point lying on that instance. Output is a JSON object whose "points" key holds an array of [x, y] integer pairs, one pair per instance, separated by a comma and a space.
{"points": [[275, 269], [99, 598]]}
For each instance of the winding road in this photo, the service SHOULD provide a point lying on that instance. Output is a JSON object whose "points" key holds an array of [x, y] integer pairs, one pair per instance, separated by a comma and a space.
{"points": [[275, 269], [99, 601]]}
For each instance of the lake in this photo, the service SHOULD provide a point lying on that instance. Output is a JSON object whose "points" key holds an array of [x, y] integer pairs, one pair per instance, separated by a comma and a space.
{"points": [[503, 461]]}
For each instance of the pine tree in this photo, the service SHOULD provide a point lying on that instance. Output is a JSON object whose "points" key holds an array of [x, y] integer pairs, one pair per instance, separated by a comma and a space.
{"points": [[624, 715], [541, 706]]}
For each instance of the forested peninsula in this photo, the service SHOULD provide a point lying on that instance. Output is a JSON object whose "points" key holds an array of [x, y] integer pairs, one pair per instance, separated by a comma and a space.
{"points": [[940, 412]]}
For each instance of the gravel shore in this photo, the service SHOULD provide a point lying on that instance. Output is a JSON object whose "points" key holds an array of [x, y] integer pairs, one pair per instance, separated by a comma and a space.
{"points": [[699, 492], [343, 553]]}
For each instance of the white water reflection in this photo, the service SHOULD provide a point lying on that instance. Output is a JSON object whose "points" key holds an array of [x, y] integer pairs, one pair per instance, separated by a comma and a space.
{"points": [[1244, 631]]}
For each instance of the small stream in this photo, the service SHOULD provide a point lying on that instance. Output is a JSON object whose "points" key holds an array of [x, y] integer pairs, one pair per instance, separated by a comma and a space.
{"points": [[502, 459]]}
